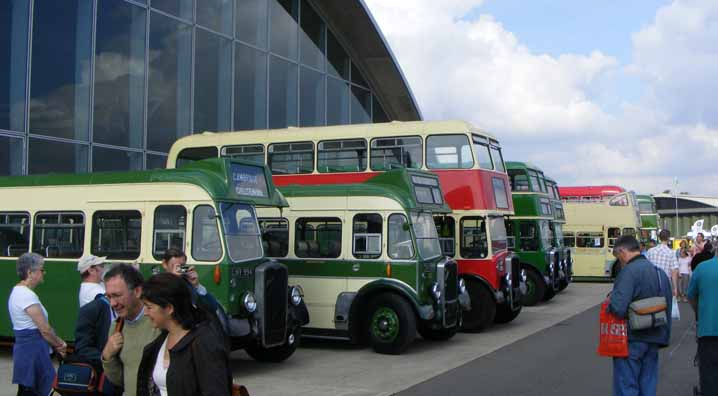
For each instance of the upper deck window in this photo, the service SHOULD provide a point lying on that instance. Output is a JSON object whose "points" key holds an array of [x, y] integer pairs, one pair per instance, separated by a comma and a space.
{"points": [[250, 152], [542, 183], [389, 153], [342, 156], [497, 156], [483, 155], [619, 200], [646, 207], [545, 207], [291, 158], [195, 154], [535, 181], [519, 181], [551, 190], [448, 152], [500, 195]]}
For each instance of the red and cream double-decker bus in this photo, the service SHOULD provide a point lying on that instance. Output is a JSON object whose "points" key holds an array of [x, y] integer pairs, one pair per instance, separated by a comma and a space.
{"points": [[468, 162], [589, 193]]}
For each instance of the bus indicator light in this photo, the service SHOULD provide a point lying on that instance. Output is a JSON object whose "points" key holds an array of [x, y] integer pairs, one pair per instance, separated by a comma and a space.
{"points": [[217, 274]]}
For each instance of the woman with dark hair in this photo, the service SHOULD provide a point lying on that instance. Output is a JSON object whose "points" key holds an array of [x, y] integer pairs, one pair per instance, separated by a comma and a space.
{"points": [[189, 357], [705, 254]]}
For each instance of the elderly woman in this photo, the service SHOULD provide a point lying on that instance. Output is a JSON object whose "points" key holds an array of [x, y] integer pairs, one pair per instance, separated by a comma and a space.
{"points": [[32, 368]]}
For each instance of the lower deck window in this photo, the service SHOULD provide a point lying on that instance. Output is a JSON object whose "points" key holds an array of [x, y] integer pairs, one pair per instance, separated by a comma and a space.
{"points": [[206, 243], [446, 228], [474, 242], [318, 237], [589, 240], [169, 229], [116, 234], [59, 235], [401, 246], [367, 236], [14, 234], [275, 237]]}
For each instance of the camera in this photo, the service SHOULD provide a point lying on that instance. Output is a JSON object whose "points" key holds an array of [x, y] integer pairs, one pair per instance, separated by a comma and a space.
{"points": [[184, 268]]}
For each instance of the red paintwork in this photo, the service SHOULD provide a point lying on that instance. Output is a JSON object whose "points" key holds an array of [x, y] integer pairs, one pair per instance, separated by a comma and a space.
{"points": [[465, 189], [590, 191]]}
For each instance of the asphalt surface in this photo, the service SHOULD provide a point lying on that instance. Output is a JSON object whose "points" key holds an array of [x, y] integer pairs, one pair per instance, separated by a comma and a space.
{"points": [[562, 360]]}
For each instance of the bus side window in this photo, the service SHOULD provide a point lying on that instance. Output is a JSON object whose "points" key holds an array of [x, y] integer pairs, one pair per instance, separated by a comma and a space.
{"points": [[116, 234], [474, 243], [629, 231], [275, 237], [448, 152], [195, 154], [528, 236], [519, 181], [390, 153], [613, 234], [590, 240], [482, 153], [59, 235], [251, 153], [569, 239], [206, 243], [291, 158], [169, 229], [14, 234], [367, 236], [510, 238], [319, 237], [342, 156], [400, 244], [446, 228]]}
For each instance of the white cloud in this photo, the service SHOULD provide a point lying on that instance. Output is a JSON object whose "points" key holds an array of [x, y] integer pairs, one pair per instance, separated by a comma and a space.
{"points": [[546, 108]]}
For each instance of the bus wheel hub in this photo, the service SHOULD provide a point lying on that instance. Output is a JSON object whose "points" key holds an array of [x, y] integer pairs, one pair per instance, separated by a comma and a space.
{"points": [[385, 324]]}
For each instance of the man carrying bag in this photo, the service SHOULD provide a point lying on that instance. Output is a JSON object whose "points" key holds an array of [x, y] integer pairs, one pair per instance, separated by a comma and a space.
{"points": [[643, 296]]}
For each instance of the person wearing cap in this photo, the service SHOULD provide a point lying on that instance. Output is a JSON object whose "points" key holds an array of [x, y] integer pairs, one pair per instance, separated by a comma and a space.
{"points": [[91, 269]]}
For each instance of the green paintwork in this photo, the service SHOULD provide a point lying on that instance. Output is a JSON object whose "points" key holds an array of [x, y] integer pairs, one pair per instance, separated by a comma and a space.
{"points": [[649, 220], [385, 324], [528, 205]]}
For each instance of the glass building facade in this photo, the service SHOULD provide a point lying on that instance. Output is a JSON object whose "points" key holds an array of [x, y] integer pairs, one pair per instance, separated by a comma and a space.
{"points": [[103, 85]]}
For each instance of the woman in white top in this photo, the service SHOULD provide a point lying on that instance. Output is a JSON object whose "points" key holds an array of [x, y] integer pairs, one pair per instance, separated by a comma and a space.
{"points": [[32, 368], [684, 272]]}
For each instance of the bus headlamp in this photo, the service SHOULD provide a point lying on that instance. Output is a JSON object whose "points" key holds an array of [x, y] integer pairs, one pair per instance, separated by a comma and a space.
{"points": [[296, 295], [250, 303], [462, 286], [436, 291]]}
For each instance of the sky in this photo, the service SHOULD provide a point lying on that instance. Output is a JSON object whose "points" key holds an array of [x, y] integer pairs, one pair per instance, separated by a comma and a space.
{"points": [[593, 92]]}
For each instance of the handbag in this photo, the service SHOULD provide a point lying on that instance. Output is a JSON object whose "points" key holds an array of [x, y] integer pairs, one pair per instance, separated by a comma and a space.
{"points": [[75, 378], [649, 313], [613, 334]]}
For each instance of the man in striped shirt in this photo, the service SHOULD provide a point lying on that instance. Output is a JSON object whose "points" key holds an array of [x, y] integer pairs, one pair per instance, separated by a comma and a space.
{"points": [[664, 258]]}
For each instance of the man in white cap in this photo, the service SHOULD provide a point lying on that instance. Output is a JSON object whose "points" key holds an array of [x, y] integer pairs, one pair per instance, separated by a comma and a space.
{"points": [[91, 269]]}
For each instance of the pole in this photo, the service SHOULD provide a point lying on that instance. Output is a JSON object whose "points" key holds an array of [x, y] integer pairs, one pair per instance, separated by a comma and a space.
{"points": [[675, 192]]}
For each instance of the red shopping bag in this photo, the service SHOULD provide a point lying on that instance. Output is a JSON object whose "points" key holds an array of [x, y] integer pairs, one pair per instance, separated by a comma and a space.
{"points": [[613, 336]]}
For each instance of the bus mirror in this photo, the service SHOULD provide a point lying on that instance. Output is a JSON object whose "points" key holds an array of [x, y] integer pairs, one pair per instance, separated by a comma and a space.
{"points": [[406, 227]]}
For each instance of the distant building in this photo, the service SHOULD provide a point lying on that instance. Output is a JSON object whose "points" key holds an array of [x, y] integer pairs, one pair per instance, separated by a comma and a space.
{"points": [[691, 208]]}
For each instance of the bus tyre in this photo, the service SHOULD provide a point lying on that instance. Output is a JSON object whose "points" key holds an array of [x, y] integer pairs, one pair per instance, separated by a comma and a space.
{"points": [[563, 285], [483, 308], [276, 354], [549, 293], [535, 288], [391, 324], [440, 334], [504, 314]]}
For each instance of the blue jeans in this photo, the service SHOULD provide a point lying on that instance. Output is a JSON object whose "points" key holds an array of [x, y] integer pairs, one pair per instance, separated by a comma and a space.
{"points": [[636, 375]]}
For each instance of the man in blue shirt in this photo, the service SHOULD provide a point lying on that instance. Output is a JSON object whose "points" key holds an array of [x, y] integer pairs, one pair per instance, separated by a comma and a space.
{"points": [[638, 373], [703, 296]]}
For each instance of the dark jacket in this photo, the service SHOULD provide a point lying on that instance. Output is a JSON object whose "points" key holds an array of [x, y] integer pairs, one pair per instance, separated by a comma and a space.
{"points": [[705, 255], [199, 364], [91, 330], [638, 280]]}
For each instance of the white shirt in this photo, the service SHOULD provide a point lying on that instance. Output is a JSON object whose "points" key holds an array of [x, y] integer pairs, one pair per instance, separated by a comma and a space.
{"points": [[684, 265], [159, 374], [22, 297], [90, 290]]}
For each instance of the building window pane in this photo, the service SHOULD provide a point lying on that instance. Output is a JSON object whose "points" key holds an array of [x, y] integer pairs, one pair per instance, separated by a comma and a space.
{"points": [[168, 108], [339, 63], [358, 77], [312, 37], [252, 22], [361, 106], [283, 29], [105, 160], [13, 48], [250, 90], [155, 161], [337, 102], [282, 93], [119, 74], [10, 156], [215, 14], [180, 8], [311, 91], [60, 89], [212, 94], [47, 156], [377, 112]]}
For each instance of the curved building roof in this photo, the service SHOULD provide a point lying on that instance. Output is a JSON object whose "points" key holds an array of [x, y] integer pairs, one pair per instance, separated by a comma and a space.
{"points": [[352, 23]]}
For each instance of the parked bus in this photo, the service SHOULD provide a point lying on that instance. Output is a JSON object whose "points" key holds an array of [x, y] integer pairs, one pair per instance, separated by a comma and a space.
{"points": [[368, 258], [589, 193], [591, 230], [206, 209], [468, 162], [530, 234], [649, 217], [556, 226]]}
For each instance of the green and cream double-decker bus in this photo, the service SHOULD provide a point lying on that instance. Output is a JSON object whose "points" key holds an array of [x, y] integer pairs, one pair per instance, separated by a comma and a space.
{"points": [[368, 258], [649, 217], [529, 232], [556, 227], [206, 209]]}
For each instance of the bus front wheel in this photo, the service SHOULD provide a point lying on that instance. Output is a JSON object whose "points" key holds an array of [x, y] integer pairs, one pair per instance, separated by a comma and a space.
{"points": [[504, 314], [276, 354], [391, 324], [483, 308], [535, 288]]}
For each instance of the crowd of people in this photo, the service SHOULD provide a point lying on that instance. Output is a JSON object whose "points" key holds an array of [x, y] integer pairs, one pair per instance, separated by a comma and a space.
{"points": [[688, 274], [161, 336]]}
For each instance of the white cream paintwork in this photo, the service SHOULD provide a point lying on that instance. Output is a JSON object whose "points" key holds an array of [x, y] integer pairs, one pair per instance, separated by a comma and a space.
{"points": [[143, 197]]}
